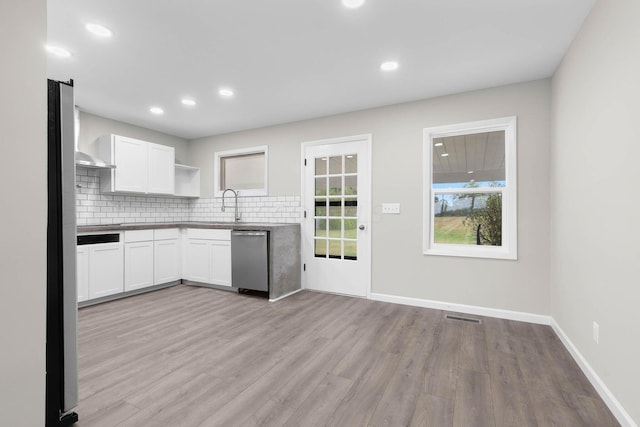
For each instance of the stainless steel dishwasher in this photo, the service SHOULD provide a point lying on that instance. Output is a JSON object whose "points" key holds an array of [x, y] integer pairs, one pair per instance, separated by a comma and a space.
{"points": [[250, 260]]}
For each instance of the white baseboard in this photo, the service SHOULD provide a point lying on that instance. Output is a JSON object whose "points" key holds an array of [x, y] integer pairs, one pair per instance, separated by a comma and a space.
{"points": [[462, 308], [609, 399]]}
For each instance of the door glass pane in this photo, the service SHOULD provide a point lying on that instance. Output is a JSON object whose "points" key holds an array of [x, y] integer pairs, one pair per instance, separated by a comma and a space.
{"points": [[320, 250], [335, 207], [350, 250], [335, 228], [335, 216], [351, 163], [321, 207], [351, 185], [335, 165], [321, 166], [321, 186], [335, 249], [321, 228], [351, 207], [350, 229], [335, 186]]}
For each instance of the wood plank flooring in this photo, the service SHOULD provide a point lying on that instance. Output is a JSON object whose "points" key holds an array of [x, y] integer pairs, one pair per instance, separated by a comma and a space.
{"points": [[189, 356]]}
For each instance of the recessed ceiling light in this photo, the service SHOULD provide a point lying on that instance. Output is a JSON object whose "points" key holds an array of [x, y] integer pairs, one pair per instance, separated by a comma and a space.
{"points": [[58, 51], [99, 30], [438, 144], [189, 102], [353, 4], [226, 92], [444, 155], [469, 172], [389, 66], [156, 110]]}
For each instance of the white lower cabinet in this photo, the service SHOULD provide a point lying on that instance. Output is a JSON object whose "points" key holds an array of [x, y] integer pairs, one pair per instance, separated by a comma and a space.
{"points": [[166, 261], [138, 265], [138, 259], [105, 269], [221, 262], [82, 277], [153, 257], [207, 257], [197, 260]]}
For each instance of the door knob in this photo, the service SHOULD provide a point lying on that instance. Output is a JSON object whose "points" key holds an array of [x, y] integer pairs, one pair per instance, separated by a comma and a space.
{"points": [[361, 227]]}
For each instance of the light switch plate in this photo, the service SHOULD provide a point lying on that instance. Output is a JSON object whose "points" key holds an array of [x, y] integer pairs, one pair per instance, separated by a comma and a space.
{"points": [[391, 208]]}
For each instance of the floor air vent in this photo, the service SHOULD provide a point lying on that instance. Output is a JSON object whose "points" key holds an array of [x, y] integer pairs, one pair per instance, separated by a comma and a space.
{"points": [[463, 319]]}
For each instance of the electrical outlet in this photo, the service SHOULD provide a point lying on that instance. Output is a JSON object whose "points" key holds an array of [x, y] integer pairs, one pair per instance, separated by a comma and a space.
{"points": [[391, 208], [596, 332]]}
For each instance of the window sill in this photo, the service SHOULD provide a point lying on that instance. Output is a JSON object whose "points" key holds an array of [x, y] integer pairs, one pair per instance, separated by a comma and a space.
{"points": [[472, 252]]}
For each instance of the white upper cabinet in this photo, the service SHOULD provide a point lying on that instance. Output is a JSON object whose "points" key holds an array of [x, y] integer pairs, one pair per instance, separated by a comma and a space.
{"points": [[141, 167], [162, 161]]}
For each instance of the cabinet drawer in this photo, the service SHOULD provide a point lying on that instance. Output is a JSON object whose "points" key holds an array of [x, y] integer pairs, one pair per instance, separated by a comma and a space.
{"points": [[166, 234], [208, 234], [138, 236]]}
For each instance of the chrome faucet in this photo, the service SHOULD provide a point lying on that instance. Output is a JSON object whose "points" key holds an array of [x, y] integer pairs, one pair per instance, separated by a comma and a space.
{"points": [[235, 193]]}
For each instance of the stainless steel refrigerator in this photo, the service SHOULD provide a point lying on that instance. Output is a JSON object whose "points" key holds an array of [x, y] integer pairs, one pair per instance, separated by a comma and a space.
{"points": [[61, 351]]}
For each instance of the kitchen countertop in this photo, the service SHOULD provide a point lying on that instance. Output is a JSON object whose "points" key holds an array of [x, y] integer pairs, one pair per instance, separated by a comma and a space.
{"points": [[193, 224]]}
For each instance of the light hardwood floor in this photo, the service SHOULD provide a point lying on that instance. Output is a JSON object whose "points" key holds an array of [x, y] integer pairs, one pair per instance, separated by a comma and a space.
{"points": [[189, 356]]}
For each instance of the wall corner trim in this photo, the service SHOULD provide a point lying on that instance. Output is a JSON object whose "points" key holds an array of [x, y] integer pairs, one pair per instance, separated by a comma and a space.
{"points": [[607, 396], [462, 308]]}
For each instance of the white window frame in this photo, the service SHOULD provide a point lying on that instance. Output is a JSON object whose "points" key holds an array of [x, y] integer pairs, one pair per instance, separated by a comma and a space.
{"points": [[509, 248], [262, 149]]}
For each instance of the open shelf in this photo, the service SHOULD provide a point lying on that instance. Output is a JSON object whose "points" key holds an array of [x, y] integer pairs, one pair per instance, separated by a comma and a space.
{"points": [[187, 183]]}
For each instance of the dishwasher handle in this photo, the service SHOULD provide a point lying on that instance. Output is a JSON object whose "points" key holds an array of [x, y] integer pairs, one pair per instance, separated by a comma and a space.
{"points": [[249, 233]]}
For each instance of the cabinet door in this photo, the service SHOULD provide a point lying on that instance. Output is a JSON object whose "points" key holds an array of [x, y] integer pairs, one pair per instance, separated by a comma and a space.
{"points": [[221, 256], [82, 265], [166, 256], [197, 260], [162, 161], [131, 159], [106, 276], [138, 265]]}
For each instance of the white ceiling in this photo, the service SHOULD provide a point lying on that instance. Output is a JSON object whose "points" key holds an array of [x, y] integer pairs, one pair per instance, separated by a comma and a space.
{"points": [[289, 60]]}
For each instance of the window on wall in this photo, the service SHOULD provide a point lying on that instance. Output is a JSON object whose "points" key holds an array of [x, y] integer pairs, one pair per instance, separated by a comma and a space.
{"points": [[244, 170], [470, 189]]}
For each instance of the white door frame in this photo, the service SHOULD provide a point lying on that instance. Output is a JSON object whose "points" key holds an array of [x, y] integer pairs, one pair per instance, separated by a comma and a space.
{"points": [[303, 228]]}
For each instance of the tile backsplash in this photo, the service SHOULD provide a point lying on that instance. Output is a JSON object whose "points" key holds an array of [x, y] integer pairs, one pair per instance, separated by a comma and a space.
{"points": [[95, 208]]}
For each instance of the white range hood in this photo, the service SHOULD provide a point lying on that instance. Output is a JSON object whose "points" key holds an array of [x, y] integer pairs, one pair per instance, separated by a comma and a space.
{"points": [[83, 159]]}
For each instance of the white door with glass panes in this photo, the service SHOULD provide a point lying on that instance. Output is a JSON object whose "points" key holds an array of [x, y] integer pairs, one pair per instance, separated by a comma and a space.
{"points": [[337, 205]]}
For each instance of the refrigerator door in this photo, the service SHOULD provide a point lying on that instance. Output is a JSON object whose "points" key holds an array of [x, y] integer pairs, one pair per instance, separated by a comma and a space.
{"points": [[69, 287], [61, 349]]}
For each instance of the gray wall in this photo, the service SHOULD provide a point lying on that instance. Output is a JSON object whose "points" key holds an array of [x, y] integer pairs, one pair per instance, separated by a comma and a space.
{"points": [[399, 268], [595, 152], [92, 127], [23, 150]]}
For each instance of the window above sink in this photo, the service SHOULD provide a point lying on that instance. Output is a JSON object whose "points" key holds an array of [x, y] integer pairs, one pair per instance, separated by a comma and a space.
{"points": [[244, 170]]}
